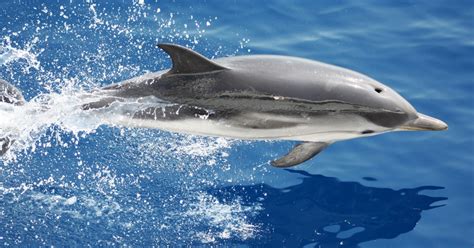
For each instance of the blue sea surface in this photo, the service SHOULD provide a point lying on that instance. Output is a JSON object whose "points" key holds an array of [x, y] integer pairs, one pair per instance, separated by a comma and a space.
{"points": [[75, 182]]}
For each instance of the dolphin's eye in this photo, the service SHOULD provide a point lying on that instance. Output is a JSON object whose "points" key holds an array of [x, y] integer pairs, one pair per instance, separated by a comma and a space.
{"points": [[378, 90]]}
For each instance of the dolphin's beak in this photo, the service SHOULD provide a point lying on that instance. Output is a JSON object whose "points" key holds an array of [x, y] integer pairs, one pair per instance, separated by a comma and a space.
{"points": [[424, 122]]}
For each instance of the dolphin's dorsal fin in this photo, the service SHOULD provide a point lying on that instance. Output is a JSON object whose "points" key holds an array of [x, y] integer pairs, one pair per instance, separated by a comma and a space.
{"points": [[300, 153], [187, 61]]}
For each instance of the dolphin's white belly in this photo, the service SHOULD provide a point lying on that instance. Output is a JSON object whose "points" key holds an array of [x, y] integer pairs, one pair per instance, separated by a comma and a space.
{"points": [[323, 129]]}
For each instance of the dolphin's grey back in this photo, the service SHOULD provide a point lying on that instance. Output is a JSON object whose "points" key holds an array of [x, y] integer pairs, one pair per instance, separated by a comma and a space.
{"points": [[299, 78]]}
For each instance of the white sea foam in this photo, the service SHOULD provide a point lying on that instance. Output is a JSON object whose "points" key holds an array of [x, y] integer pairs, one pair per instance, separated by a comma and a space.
{"points": [[225, 219]]}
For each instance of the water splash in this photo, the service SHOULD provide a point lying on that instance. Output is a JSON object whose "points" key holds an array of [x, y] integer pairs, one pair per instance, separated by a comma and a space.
{"points": [[26, 124], [58, 168], [26, 56]]}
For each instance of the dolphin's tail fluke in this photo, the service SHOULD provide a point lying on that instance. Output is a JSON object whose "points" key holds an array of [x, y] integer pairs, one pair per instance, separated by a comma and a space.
{"points": [[5, 144], [9, 94]]}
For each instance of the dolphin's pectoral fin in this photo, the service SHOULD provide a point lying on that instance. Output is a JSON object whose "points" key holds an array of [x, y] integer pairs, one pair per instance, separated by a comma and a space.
{"points": [[188, 61], [300, 154]]}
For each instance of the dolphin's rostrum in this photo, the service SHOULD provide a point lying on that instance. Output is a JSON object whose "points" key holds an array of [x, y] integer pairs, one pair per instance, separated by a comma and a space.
{"points": [[258, 97]]}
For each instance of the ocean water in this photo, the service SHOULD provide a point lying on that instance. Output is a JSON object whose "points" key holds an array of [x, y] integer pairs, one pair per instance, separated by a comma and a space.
{"points": [[70, 180]]}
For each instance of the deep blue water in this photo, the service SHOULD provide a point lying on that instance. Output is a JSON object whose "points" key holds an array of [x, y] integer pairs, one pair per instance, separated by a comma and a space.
{"points": [[107, 186]]}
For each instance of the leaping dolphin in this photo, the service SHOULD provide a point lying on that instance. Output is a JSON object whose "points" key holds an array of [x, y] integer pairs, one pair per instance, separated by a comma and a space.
{"points": [[265, 97]]}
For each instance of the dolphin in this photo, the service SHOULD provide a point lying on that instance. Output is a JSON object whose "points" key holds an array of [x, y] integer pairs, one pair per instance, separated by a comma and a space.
{"points": [[256, 97], [9, 94]]}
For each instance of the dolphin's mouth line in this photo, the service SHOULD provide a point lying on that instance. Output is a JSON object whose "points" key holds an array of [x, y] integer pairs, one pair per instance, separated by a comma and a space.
{"points": [[408, 128], [424, 123]]}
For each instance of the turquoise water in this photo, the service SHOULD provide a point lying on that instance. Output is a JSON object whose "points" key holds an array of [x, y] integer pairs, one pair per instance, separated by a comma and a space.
{"points": [[74, 182]]}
